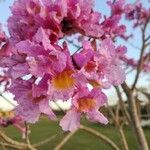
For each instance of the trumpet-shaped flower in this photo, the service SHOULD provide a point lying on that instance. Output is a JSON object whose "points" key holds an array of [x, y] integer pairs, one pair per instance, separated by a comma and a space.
{"points": [[84, 102]]}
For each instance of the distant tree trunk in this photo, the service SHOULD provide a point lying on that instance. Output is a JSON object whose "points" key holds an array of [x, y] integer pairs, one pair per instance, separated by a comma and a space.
{"points": [[136, 125]]}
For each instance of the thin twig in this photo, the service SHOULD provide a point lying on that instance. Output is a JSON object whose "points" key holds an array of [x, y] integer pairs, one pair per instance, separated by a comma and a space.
{"points": [[124, 110], [101, 136], [3, 146], [27, 134], [13, 142], [139, 66], [147, 38], [45, 141], [65, 140], [11, 146], [119, 126]]}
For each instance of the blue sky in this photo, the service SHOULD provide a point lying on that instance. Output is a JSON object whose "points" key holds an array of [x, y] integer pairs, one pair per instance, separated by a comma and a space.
{"points": [[5, 11], [100, 5]]}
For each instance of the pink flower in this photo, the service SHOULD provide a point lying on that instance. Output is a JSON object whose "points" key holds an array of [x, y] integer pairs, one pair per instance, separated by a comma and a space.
{"points": [[134, 63], [71, 121], [84, 102], [57, 18], [62, 84], [42, 59], [112, 69], [22, 24], [33, 102], [81, 19], [103, 64], [81, 59], [112, 27], [137, 13], [17, 66], [117, 7]]}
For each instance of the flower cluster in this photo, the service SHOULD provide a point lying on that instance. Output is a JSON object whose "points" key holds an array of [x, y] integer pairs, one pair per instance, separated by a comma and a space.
{"points": [[137, 13], [42, 68], [130, 62], [111, 25]]}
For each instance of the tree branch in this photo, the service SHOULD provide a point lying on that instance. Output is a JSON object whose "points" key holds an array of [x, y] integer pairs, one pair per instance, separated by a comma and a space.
{"points": [[65, 140], [139, 67], [124, 110], [13, 142], [101, 136]]}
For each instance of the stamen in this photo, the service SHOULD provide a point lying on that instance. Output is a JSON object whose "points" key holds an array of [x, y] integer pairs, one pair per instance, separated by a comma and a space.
{"points": [[86, 104], [63, 80]]}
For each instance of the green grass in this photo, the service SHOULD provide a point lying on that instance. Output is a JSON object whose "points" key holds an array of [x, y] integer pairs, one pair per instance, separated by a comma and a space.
{"points": [[82, 140]]}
